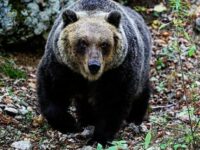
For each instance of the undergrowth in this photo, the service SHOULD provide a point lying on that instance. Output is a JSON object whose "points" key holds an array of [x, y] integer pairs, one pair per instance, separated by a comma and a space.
{"points": [[9, 69]]}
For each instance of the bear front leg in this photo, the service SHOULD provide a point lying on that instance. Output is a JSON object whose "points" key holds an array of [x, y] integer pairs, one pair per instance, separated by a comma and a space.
{"points": [[59, 118], [84, 112], [54, 103], [104, 131], [108, 122]]}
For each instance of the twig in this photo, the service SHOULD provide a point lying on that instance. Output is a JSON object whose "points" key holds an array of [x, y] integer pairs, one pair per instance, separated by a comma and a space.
{"points": [[160, 107], [196, 126], [185, 97]]}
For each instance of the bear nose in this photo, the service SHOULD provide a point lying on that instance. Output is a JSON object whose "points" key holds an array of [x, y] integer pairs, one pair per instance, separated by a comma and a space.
{"points": [[94, 67]]}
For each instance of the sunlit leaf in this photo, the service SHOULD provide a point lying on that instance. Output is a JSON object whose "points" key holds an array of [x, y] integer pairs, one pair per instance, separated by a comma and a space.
{"points": [[147, 140], [99, 147], [160, 8], [192, 50]]}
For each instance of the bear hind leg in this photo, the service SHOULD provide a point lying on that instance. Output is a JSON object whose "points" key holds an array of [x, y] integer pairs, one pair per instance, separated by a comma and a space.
{"points": [[139, 107]]}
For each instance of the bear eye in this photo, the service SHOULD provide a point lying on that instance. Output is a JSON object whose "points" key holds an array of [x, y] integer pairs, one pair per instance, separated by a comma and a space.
{"points": [[82, 46], [105, 47]]}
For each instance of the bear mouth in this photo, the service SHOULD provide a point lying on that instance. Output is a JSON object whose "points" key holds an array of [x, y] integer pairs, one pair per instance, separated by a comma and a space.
{"points": [[93, 77], [90, 76]]}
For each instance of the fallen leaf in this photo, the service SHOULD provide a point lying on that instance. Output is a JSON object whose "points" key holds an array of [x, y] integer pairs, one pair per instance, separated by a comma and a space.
{"points": [[5, 119], [189, 65], [160, 8], [38, 121], [165, 34], [32, 85], [7, 100]]}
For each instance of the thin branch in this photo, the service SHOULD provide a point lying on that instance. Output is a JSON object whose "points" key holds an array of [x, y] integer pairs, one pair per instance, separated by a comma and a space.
{"points": [[196, 126], [185, 97], [160, 107]]}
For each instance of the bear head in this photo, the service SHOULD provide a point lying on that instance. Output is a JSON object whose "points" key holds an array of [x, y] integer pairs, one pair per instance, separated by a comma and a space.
{"points": [[91, 43]]}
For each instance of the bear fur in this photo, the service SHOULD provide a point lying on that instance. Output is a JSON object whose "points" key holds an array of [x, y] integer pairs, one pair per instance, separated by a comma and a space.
{"points": [[98, 54]]}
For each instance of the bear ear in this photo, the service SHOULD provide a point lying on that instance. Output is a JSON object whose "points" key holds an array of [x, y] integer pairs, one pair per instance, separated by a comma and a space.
{"points": [[114, 18], [69, 16]]}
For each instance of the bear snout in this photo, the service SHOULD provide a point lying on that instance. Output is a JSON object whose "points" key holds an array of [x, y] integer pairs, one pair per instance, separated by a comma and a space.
{"points": [[94, 66]]}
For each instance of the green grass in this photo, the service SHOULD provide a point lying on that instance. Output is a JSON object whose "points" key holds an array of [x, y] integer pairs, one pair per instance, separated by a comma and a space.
{"points": [[9, 69]]}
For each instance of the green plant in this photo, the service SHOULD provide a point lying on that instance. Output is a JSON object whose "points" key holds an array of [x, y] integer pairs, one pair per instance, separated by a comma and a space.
{"points": [[192, 50], [140, 8], [160, 64], [10, 91], [99, 147], [179, 6], [195, 97], [161, 87], [42, 139], [44, 128], [147, 140], [123, 1], [9, 69], [29, 117], [168, 52], [116, 145], [175, 4], [163, 146], [179, 146]]}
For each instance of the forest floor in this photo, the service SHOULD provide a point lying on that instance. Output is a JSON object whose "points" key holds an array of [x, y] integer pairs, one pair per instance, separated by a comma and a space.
{"points": [[173, 115]]}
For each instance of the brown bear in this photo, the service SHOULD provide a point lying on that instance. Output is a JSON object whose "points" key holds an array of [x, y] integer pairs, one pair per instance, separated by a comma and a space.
{"points": [[98, 54]]}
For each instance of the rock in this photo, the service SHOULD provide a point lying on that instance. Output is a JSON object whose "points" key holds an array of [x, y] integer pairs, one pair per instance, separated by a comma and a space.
{"points": [[134, 128], [29, 108], [11, 111], [2, 106], [87, 132], [44, 145], [196, 2], [22, 145], [24, 19], [1, 98], [23, 110], [18, 117], [87, 148]]}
